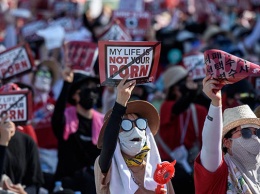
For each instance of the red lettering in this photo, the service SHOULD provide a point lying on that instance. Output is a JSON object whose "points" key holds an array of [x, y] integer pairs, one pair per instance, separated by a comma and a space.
{"points": [[118, 60], [12, 115], [134, 71], [112, 69], [20, 114], [24, 64], [125, 72], [143, 70], [17, 66]]}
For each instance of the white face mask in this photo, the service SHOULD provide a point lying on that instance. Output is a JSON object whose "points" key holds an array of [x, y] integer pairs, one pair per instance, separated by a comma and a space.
{"points": [[43, 83], [129, 147], [246, 151]]}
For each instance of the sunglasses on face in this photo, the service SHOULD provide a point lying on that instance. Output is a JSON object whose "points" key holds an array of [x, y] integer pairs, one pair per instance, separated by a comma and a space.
{"points": [[43, 73], [247, 132], [128, 125]]}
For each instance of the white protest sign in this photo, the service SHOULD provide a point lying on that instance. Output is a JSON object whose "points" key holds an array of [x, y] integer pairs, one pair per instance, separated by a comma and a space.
{"points": [[195, 64], [14, 61], [138, 59], [16, 105]]}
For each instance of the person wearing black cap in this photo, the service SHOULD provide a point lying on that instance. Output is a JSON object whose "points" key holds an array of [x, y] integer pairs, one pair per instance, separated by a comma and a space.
{"points": [[77, 128]]}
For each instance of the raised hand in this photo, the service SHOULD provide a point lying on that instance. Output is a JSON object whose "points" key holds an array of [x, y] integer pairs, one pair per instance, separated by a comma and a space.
{"points": [[67, 74], [7, 130], [124, 90], [212, 88]]}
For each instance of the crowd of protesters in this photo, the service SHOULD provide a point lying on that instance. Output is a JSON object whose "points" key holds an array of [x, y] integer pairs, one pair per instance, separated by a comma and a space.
{"points": [[69, 107]]}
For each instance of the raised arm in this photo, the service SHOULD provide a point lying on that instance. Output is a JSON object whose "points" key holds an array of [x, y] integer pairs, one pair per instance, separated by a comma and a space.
{"points": [[211, 153], [124, 90], [58, 117]]}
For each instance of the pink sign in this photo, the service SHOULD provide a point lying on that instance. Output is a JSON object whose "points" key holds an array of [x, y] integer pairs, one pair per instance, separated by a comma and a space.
{"points": [[228, 68]]}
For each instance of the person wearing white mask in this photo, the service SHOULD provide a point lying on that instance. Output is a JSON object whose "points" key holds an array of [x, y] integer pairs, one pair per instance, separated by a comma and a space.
{"points": [[237, 135], [129, 154], [44, 78]]}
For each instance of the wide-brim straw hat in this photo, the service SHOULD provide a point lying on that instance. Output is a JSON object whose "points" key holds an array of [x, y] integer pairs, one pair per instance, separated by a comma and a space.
{"points": [[240, 115], [143, 109], [174, 74]]}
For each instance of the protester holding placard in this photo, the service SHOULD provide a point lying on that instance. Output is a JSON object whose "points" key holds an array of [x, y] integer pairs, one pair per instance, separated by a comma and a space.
{"points": [[43, 79], [21, 164], [129, 154], [181, 124], [7, 130], [236, 134], [77, 126]]}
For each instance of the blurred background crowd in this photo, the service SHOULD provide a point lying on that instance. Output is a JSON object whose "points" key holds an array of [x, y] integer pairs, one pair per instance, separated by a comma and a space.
{"points": [[185, 28]]}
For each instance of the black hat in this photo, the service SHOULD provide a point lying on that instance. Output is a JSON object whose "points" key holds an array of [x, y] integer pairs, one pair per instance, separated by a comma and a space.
{"points": [[78, 81]]}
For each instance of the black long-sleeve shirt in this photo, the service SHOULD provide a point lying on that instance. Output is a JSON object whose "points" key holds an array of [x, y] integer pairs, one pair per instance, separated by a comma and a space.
{"points": [[110, 137], [2, 158], [78, 151]]}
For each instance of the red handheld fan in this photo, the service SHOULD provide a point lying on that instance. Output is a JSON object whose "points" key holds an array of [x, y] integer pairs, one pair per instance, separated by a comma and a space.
{"points": [[163, 174]]}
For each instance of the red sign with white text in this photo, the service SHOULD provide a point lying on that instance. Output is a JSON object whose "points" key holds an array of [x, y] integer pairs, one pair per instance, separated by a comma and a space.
{"points": [[81, 55], [15, 61], [117, 59]]}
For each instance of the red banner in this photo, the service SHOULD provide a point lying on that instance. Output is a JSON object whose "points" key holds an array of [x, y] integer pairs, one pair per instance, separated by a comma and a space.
{"points": [[81, 55]]}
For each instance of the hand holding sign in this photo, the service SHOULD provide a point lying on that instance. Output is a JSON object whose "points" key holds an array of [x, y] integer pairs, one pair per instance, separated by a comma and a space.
{"points": [[7, 129], [228, 68]]}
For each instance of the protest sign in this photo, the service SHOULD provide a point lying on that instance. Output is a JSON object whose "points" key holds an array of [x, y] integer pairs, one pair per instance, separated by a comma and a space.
{"points": [[18, 105], [61, 6], [195, 65], [81, 55], [15, 61], [117, 59], [115, 31], [137, 23], [29, 30], [228, 68], [133, 5], [66, 22]]}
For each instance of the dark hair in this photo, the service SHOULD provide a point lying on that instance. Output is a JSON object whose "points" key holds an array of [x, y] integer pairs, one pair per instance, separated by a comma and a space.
{"points": [[227, 136]]}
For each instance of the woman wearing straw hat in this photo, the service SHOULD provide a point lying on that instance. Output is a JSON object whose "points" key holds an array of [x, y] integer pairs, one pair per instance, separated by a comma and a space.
{"points": [[129, 154], [238, 136]]}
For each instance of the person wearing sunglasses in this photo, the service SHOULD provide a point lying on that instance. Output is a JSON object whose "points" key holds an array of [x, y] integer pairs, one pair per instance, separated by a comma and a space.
{"points": [[229, 160], [129, 155]]}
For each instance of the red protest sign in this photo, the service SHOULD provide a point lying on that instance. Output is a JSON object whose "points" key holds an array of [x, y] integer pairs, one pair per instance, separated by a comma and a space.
{"points": [[115, 31], [228, 68], [195, 65], [81, 55], [117, 59], [17, 104], [137, 23], [15, 61]]}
